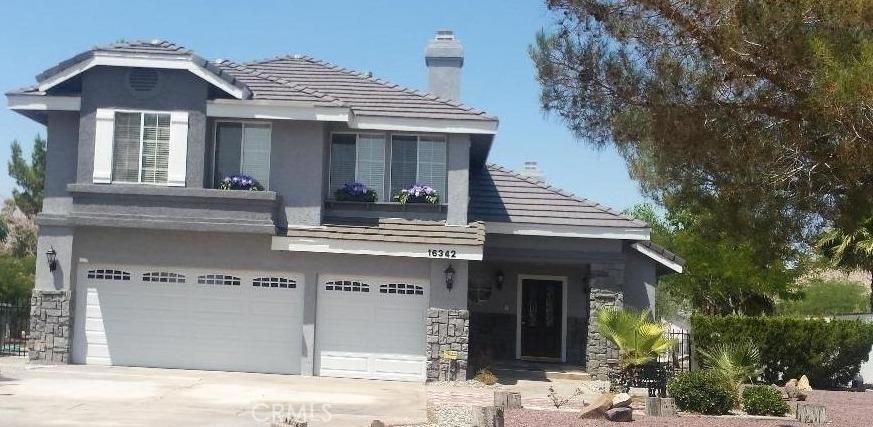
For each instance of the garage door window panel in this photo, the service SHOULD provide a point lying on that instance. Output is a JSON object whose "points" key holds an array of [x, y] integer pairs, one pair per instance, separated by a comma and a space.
{"points": [[347, 286], [274, 282], [401, 289], [107, 274], [218, 279], [163, 277]]}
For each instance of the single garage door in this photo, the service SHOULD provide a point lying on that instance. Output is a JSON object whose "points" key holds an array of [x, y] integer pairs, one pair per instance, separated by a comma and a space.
{"points": [[371, 329], [176, 318]]}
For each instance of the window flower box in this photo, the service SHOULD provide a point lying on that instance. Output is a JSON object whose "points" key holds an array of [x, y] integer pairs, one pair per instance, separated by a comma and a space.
{"points": [[356, 192], [418, 193], [240, 182]]}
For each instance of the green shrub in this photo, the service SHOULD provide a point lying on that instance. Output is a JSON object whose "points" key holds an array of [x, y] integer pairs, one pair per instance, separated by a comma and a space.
{"points": [[764, 400], [701, 392], [827, 298], [829, 353]]}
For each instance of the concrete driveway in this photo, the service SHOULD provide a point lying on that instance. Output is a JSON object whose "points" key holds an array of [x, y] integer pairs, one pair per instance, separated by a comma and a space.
{"points": [[97, 396]]}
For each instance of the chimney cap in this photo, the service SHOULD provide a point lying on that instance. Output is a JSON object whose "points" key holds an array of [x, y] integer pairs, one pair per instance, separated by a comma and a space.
{"points": [[445, 35]]}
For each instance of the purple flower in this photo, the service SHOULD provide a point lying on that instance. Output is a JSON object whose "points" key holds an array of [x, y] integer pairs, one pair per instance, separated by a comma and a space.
{"points": [[240, 182]]}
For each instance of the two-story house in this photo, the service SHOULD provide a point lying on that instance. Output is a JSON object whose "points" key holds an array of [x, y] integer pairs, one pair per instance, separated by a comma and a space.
{"points": [[144, 261]]}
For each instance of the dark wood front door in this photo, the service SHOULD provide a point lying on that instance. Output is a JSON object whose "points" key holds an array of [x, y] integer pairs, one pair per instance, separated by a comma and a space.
{"points": [[541, 318]]}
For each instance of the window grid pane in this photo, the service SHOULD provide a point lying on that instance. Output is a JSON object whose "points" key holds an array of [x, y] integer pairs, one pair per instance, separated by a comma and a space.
{"points": [[432, 164], [404, 168], [125, 154], [256, 152], [155, 148], [371, 162], [228, 146], [342, 161]]}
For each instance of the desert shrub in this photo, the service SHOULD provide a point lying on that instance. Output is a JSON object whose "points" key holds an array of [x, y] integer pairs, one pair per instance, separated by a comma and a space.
{"points": [[485, 376], [830, 353], [702, 392], [734, 363], [764, 400]]}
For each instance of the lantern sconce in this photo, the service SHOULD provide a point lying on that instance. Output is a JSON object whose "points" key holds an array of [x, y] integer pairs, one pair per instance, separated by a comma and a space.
{"points": [[52, 257], [499, 279], [450, 277]]}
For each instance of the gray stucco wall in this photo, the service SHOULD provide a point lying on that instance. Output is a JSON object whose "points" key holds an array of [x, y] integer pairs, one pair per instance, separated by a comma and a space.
{"points": [[297, 170], [458, 165], [62, 143], [106, 87], [640, 281]]}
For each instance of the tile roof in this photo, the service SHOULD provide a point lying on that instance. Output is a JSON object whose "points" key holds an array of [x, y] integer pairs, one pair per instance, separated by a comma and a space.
{"points": [[498, 194], [297, 78], [394, 230], [363, 93]]}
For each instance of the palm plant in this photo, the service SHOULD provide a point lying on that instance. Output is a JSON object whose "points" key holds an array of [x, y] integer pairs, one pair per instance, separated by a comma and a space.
{"points": [[733, 364], [850, 248], [638, 339]]}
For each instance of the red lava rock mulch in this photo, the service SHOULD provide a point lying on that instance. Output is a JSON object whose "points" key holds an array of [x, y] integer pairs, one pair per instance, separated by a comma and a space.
{"points": [[844, 409]]}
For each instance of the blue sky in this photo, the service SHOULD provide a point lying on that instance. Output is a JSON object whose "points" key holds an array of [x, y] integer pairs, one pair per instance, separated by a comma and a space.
{"points": [[383, 36]]}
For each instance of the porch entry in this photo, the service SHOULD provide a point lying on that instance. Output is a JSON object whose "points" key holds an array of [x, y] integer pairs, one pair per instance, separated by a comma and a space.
{"points": [[542, 320]]}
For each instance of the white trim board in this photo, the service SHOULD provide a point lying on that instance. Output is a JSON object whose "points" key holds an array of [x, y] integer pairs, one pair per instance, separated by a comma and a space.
{"points": [[672, 265], [368, 247], [518, 311], [550, 230], [407, 124], [43, 103], [274, 110], [142, 61]]}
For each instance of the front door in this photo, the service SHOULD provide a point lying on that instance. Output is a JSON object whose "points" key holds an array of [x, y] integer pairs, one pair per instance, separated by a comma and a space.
{"points": [[541, 319]]}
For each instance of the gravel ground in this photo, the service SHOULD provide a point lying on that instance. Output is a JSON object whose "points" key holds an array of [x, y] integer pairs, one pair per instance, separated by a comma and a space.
{"points": [[844, 409]]}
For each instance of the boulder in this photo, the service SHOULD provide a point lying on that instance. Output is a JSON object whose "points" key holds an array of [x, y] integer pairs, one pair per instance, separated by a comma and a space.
{"points": [[803, 384], [620, 415], [621, 400], [791, 382], [801, 395], [792, 391], [598, 408]]}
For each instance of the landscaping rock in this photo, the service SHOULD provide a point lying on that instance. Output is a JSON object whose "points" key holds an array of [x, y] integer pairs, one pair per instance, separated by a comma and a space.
{"points": [[507, 400], [791, 391], [620, 415], [621, 400], [803, 384], [791, 382], [598, 408]]}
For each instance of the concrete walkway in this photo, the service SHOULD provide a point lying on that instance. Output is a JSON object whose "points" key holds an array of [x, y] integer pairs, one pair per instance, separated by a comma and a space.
{"points": [[98, 396]]}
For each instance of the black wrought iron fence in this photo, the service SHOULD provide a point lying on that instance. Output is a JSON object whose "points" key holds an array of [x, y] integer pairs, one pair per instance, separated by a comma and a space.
{"points": [[678, 359], [14, 329]]}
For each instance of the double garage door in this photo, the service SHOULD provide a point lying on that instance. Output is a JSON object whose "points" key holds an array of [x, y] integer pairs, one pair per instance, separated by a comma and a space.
{"points": [[178, 318], [248, 321]]}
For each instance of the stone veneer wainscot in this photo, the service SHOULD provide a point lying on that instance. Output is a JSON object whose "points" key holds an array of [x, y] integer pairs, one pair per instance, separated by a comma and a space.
{"points": [[50, 327], [447, 330]]}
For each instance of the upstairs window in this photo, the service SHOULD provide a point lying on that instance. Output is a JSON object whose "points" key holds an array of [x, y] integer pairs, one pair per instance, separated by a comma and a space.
{"points": [[242, 148], [418, 160], [358, 158], [141, 148]]}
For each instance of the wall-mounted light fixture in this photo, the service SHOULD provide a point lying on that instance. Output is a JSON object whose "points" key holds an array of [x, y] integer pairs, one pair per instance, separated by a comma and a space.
{"points": [[52, 257], [450, 277], [499, 279]]}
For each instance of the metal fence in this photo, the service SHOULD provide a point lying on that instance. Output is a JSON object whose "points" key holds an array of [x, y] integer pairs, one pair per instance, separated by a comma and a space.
{"points": [[679, 358], [14, 329]]}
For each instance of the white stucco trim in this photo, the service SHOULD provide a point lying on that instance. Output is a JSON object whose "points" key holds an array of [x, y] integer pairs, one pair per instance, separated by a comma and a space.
{"points": [[367, 247], [43, 103], [104, 130], [548, 230], [178, 156], [407, 124], [518, 311], [274, 110], [143, 61], [672, 265]]}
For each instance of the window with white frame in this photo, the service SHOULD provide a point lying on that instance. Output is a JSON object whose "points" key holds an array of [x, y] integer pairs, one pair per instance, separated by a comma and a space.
{"points": [[418, 160], [358, 158], [141, 147], [242, 148]]}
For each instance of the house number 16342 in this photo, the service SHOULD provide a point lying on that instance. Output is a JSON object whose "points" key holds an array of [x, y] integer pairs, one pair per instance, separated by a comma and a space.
{"points": [[440, 253]]}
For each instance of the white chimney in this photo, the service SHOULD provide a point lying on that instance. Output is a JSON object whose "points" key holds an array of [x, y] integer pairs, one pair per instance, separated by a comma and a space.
{"points": [[532, 171], [444, 57]]}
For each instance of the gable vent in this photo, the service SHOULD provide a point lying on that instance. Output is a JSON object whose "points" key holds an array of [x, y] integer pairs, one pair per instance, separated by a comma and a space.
{"points": [[143, 80]]}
